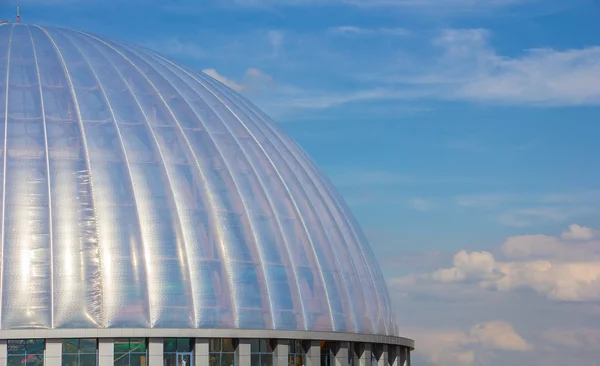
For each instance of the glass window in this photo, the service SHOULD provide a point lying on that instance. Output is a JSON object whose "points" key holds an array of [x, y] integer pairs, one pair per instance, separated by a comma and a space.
{"points": [[261, 352], [326, 356], [222, 351], [296, 353], [177, 351], [79, 352], [29, 352], [130, 351]]}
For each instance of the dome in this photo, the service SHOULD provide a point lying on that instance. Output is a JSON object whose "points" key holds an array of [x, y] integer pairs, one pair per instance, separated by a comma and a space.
{"points": [[139, 193]]}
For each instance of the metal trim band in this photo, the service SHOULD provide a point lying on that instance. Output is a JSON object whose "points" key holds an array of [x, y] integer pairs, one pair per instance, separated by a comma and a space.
{"points": [[204, 333]]}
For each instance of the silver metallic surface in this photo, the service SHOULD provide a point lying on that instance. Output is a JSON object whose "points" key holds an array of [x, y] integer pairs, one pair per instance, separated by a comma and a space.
{"points": [[207, 334], [137, 193]]}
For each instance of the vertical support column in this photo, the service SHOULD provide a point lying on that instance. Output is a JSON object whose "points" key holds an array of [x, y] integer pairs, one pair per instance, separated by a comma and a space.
{"points": [[243, 353], [365, 355], [282, 350], [408, 363], [155, 351], [106, 352], [402, 356], [201, 352], [3, 351], [393, 355], [340, 352], [383, 355], [53, 353], [313, 353]]}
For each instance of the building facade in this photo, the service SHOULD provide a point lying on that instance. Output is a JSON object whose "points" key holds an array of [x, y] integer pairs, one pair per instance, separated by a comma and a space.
{"points": [[151, 215]]}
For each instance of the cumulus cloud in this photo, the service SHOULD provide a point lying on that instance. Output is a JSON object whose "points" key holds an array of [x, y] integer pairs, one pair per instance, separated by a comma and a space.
{"points": [[457, 347], [498, 335], [569, 271], [580, 338], [577, 232], [578, 243], [253, 80]]}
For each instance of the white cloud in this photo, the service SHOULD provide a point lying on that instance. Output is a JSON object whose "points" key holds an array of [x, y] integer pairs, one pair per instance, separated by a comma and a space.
{"points": [[360, 31], [475, 265], [473, 70], [421, 204], [579, 338], [529, 209], [576, 244], [177, 47], [346, 177], [577, 232], [254, 80], [569, 272], [460, 348], [498, 335], [455, 5]]}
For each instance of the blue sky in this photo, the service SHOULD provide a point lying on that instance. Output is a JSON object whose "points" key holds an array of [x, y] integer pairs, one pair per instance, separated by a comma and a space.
{"points": [[448, 125]]}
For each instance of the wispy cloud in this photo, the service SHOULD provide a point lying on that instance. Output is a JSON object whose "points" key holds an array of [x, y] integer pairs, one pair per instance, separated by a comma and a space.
{"points": [[529, 209], [421, 204], [253, 80], [361, 31], [458, 65], [368, 178]]}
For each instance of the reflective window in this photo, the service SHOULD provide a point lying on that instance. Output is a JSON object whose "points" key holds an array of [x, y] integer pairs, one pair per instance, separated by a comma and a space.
{"points": [[326, 355], [178, 351], [29, 352], [131, 352], [353, 354], [221, 351], [79, 352], [261, 352], [296, 353]]}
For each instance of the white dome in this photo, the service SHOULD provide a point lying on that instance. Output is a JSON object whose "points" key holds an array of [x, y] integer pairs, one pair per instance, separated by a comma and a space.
{"points": [[137, 193]]}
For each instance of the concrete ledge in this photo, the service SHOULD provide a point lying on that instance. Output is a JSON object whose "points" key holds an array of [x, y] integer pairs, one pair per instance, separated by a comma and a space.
{"points": [[204, 333]]}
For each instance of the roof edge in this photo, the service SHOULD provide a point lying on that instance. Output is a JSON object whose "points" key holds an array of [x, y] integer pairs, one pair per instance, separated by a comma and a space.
{"points": [[204, 333]]}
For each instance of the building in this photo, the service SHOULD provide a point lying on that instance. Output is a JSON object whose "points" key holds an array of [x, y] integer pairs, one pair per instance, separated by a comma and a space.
{"points": [[151, 215]]}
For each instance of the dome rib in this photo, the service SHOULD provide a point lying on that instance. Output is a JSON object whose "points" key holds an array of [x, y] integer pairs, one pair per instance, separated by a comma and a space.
{"points": [[73, 183], [304, 185], [286, 250], [87, 158], [178, 249], [290, 195], [264, 192], [348, 224], [225, 256], [84, 142], [4, 167], [132, 177], [149, 124], [238, 186], [191, 268], [325, 205], [48, 179], [367, 258], [341, 324]]}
